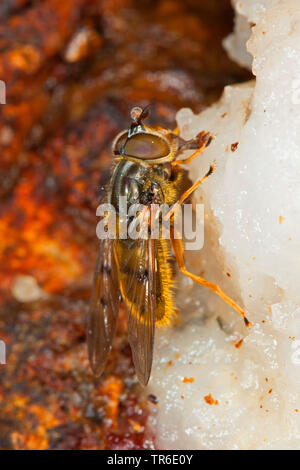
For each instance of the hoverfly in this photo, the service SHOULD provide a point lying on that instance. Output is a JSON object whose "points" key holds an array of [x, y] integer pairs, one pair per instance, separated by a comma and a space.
{"points": [[140, 271]]}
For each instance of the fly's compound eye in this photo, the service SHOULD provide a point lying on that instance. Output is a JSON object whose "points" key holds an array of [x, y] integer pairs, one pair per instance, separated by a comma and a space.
{"points": [[118, 146], [146, 147], [131, 190]]}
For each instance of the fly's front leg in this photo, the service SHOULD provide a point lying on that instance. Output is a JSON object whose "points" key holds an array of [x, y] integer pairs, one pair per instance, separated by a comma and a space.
{"points": [[179, 255], [200, 143]]}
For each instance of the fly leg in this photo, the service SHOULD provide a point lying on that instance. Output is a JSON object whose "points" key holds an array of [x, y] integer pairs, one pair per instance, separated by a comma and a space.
{"points": [[200, 143], [188, 192], [179, 255]]}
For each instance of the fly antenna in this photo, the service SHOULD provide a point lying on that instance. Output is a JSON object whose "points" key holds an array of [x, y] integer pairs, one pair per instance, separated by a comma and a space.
{"points": [[138, 115]]}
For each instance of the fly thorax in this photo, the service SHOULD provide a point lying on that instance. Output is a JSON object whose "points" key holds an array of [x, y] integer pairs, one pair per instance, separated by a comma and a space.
{"points": [[127, 185], [152, 194]]}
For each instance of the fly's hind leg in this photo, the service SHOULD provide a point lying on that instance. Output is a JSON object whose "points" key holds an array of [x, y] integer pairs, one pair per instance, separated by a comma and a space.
{"points": [[179, 255]]}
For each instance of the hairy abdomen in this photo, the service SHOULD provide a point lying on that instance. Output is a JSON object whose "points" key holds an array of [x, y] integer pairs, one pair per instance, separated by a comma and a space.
{"points": [[134, 275]]}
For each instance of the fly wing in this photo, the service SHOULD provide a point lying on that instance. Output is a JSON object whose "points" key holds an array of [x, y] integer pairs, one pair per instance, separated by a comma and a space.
{"points": [[104, 308], [139, 292]]}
